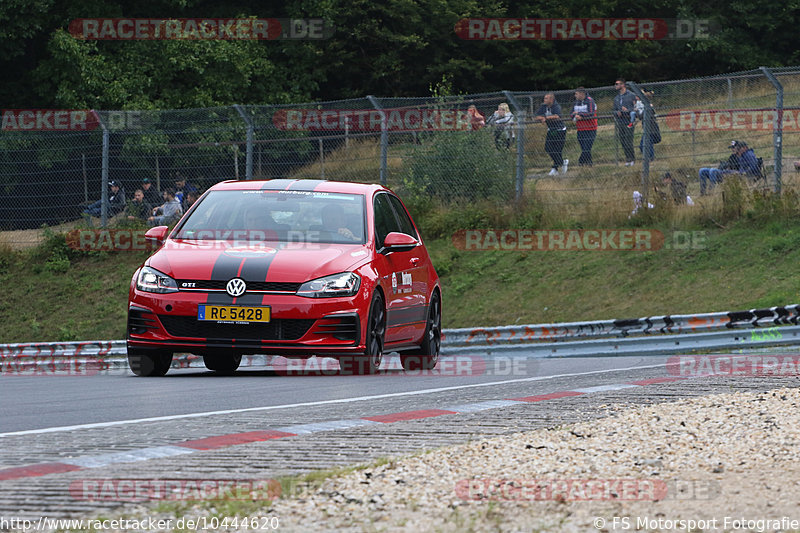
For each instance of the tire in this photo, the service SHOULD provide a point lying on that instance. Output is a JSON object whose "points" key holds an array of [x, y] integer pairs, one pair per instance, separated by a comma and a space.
{"points": [[224, 365], [149, 363], [427, 355], [370, 361]]}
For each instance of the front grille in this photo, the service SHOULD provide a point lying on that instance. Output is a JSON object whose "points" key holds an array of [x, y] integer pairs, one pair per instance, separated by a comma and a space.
{"points": [[252, 286], [140, 320], [279, 329], [344, 328]]}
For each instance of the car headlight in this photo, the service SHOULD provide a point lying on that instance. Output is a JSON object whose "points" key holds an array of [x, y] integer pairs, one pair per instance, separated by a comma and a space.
{"points": [[151, 280], [344, 284]]}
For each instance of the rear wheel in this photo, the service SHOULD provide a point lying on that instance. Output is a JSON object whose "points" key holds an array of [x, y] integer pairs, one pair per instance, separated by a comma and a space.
{"points": [[222, 364], [149, 363], [370, 362], [427, 355]]}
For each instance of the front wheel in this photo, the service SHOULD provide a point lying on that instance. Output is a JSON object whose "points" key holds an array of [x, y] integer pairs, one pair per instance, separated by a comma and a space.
{"points": [[148, 363], [222, 364], [427, 355], [370, 362]]}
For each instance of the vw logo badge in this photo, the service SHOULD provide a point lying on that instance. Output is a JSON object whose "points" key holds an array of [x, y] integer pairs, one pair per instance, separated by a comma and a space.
{"points": [[235, 287]]}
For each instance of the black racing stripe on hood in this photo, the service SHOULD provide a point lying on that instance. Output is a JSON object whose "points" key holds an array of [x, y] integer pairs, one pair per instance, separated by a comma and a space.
{"points": [[225, 268], [254, 269]]}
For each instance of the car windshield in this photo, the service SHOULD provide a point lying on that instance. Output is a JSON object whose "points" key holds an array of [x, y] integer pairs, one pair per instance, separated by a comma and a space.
{"points": [[281, 216]]}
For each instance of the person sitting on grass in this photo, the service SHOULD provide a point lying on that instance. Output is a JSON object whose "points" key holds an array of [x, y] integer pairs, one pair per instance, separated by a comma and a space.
{"points": [[742, 161], [167, 213]]}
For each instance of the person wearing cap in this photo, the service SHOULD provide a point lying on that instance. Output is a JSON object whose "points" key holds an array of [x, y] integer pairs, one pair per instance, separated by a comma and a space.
{"points": [[116, 202], [742, 161], [584, 115], [151, 194]]}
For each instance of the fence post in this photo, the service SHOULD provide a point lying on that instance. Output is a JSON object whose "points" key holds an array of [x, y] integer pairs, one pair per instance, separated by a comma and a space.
{"points": [[103, 173], [248, 165], [520, 128], [647, 141], [384, 138], [777, 127]]}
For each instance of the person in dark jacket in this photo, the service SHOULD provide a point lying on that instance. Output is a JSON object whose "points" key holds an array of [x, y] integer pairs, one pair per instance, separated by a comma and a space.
{"points": [[116, 202], [138, 208], [151, 194], [550, 113], [624, 103], [742, 161]]}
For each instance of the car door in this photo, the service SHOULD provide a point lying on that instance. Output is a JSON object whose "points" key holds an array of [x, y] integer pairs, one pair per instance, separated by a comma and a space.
{"points": [[403, 273]]}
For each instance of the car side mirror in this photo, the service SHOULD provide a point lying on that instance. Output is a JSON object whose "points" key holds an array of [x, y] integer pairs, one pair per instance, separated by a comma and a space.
{"points": [[157, 235], [398, 242]]}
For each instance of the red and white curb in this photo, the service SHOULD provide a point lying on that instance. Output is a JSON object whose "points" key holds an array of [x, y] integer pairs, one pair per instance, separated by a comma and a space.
{"points": [[235, 439]]}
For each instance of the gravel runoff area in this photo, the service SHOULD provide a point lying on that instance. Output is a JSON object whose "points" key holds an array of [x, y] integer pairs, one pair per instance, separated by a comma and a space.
{"points": [[726, 462], [723, 462]]}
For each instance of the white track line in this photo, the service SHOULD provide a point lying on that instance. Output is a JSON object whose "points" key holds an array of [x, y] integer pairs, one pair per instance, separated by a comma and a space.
{"points": [[321, 402]]}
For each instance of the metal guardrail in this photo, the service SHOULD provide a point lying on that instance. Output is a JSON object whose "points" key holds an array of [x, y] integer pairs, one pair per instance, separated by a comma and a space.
{"points": [[657, 334], [653, 325]]}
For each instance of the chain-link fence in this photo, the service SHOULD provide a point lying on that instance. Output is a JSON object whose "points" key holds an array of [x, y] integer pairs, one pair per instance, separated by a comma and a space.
{"points": [[581, 166]]}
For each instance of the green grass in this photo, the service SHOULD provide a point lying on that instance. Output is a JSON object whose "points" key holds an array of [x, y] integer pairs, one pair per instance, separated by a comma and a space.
{"points": [[53, 295], [741, 268]]}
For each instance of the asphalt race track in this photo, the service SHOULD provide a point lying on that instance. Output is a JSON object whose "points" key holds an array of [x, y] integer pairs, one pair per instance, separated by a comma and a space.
{"points": [[261, 424]]}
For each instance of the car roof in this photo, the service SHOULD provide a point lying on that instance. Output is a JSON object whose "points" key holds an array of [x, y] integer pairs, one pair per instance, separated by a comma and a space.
{"points": [[300, 185]]}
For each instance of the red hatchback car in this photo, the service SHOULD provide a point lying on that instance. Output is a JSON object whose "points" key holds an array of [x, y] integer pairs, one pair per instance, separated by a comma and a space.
{"points": [[287, 267]]}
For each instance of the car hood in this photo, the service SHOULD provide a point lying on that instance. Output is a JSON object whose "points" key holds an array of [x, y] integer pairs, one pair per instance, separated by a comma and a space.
{"points": [[205, 260]]}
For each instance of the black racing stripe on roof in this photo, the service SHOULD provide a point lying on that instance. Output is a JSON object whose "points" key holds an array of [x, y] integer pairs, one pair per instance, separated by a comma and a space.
{"points": [[305, 185], [277, 185]]}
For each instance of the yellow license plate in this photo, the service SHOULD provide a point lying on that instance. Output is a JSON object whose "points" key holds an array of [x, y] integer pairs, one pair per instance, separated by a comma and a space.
{"points": [[233, 313]]}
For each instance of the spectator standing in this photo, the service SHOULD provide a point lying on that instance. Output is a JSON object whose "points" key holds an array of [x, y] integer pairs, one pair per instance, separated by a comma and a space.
{"points": [[742, 161], [584, 114], [476, 120], [116, 202], [651, 125], [138, 208], [503, 121], [151, 194], [624, 103], [550, 113], [167, 213]]}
